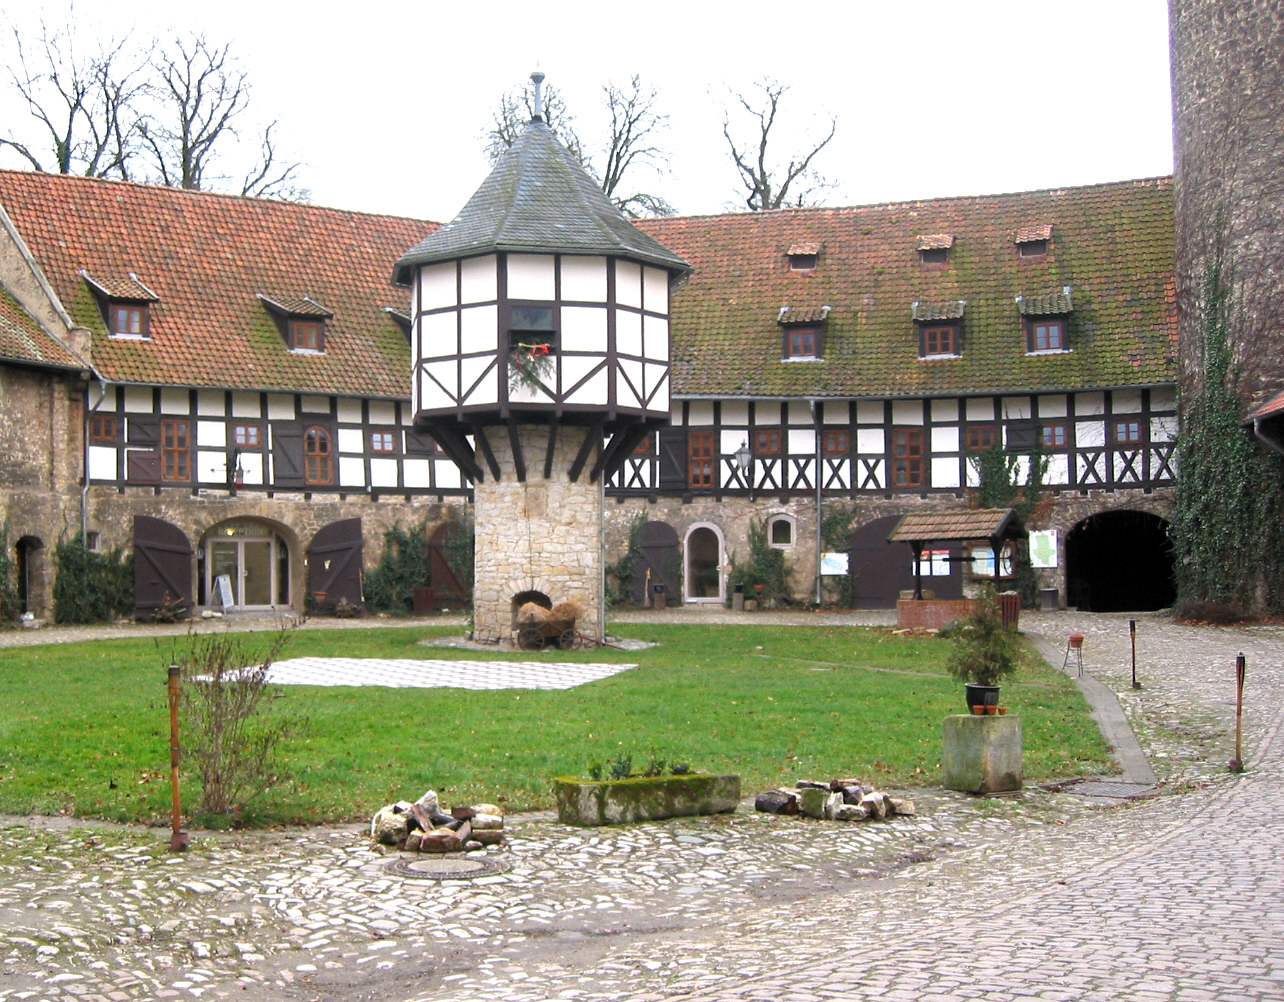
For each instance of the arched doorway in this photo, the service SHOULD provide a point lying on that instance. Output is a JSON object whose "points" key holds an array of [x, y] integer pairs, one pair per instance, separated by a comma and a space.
{"points": [[30, 570], [245, 566], [1120, 561], [702, 576]]}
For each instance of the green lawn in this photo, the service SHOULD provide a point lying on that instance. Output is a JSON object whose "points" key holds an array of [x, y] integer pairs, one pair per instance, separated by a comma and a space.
{"points": [[84, 728]]}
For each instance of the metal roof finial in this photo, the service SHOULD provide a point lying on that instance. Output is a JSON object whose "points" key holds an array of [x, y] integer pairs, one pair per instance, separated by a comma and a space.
{"points": [[537, 78]]}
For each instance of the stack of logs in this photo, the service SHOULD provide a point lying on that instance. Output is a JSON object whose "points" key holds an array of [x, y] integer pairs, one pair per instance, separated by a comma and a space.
{"points": [[837, 800], [424, 827]]}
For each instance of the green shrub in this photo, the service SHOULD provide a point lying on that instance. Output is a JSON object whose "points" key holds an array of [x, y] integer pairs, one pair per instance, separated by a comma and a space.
{"points": [[405, 566], [766, 575], [10, 598], [91, 587], [984, 651]]}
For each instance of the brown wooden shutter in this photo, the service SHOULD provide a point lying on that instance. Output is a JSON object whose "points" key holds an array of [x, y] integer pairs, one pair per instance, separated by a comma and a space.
{"points": [[287, 454], [162, 567]]}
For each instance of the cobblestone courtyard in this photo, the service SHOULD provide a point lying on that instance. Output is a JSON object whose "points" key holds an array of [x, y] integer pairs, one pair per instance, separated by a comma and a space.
{"points": [[1047, 895]]}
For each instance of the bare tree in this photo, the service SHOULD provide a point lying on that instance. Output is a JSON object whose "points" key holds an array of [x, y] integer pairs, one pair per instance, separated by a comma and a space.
{"points": [[86, 106], [770, 184], [634, 124], [200, 94], [630, 144]]}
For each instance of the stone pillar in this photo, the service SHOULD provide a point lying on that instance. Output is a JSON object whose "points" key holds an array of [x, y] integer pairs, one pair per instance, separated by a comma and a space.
{"points": [[539, 535], [982, 754]]}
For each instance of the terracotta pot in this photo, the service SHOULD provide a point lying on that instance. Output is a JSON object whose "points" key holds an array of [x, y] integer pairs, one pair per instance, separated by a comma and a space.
{"points": [[979, 711], [992, 710], [1076, 640], [1002, 710]]}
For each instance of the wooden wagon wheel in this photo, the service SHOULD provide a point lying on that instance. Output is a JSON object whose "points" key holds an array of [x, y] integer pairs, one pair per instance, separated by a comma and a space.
{"points": [[529, 637], [567, 640]]}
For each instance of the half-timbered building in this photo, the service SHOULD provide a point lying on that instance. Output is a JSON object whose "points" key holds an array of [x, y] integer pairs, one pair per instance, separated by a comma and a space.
{"points": [[225, 384]]}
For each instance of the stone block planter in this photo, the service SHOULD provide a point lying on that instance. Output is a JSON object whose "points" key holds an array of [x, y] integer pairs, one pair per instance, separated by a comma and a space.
{"points": [[982, 754], [643, 798]]}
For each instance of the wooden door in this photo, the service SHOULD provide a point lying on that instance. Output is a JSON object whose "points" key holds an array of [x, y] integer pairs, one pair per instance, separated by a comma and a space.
{"points": [[162, 568], [334, 565]]}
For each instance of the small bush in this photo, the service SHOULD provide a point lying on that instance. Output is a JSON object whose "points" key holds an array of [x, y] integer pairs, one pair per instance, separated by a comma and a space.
{"points": [[232, 732]]}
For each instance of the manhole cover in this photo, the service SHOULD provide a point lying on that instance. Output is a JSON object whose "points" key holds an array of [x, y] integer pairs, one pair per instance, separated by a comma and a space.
{"points": [[444, 867]]}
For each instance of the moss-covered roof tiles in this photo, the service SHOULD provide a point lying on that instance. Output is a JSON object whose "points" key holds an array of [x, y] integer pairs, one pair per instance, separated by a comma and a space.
{"points": [[206, 258], [1113, 247], [22, 340]]}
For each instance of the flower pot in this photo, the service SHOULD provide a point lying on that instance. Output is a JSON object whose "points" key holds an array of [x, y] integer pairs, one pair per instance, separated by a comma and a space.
{"points": [[992, 710], [1003, 710], [981, 695], [979, 710], [1076, 640]]}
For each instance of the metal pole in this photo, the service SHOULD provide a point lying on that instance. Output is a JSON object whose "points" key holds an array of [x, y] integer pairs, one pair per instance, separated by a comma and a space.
{"points": [[178, 840], [1237, 763], [1132, 631]]}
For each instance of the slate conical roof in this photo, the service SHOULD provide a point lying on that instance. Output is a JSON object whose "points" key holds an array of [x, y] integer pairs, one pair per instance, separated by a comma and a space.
{"points": [[539, 200]]}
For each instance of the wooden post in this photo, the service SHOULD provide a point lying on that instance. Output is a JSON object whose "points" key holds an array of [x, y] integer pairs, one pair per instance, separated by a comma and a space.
{"points": [[178, 840], [1237, 763]]}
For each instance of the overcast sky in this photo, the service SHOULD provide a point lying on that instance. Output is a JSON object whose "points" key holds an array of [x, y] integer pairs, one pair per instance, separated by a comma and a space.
{"points": [[386, 104]]}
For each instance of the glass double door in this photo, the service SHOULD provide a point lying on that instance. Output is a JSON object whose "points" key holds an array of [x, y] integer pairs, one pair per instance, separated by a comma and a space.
{"points": [[244, 569]]}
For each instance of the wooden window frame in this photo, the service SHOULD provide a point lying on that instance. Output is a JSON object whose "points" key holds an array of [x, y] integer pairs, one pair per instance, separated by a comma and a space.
{"points": [[104, 428], [117, 314], [908, 458], [1054, 436], [938, 340], [797, 339], [1128, 438], [307, 335], [775, 543], [1032, 324], [836, 441], [318, 463], [383, 443], [768, 442], [974, 433], [244, 431], [701, 460], [176, 450]]}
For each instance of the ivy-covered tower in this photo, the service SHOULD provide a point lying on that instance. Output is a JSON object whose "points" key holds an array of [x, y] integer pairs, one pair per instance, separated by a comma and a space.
{"points": [[540, 350]]}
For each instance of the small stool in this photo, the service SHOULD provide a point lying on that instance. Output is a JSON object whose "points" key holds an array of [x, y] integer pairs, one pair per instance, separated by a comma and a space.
{"points": [[1074, 648]]}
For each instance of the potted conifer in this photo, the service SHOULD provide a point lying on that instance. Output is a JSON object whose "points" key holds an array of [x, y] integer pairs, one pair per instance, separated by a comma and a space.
{"points": [[985, 651]]}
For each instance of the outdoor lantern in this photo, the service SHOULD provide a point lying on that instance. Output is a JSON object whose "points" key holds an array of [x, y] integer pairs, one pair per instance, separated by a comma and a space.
{"points": [[743, 456]]}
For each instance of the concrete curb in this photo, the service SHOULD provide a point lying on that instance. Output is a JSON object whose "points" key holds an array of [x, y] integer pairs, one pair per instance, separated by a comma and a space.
{"points": [[1108, 715]]}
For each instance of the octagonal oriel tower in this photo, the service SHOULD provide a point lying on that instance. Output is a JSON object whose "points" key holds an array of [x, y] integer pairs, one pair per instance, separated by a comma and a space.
{"points": [[540, 348]]}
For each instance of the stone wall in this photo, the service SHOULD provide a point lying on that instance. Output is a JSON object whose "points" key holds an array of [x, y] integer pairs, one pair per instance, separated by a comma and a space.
{"points": [[1228, 99], [733, 517], [540, 535]]}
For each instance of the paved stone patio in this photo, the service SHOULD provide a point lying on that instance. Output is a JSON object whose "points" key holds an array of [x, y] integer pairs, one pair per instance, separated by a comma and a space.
{"points": [[1044, 895]]}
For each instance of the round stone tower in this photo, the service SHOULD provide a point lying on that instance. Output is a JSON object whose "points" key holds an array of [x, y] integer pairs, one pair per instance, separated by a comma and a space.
{"points": [[1228, 106], [540, 349]]}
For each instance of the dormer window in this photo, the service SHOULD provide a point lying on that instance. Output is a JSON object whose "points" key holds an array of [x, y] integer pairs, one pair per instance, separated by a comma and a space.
{"points": [[940, 328], [305, 335], [803, 333], [804, 256], [934, 249], [127, 320], [302, 322], [125, 305], [1033, 241], [1046, 320]]}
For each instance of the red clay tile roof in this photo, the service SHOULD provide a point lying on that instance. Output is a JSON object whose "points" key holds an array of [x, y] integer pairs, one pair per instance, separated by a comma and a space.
{"points": [[1029, 234], [1114, 246], [117, 287], [803, 315], [1053, 303], [927, 312], [295, 306], [1272, 407], [808, 248], [207, 257], [934, 241], [958, 526], [23, 341]]}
